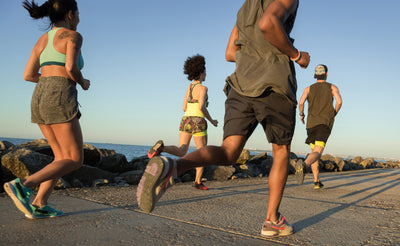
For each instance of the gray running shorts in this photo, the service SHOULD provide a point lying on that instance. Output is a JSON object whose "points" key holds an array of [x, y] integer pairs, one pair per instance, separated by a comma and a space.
{"points": [[274, 112], [54, 100]]}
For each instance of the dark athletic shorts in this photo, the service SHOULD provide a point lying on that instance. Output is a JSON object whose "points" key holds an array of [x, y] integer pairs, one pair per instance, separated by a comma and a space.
{"points": [[54, 100], [273, 111], [318, 133]]}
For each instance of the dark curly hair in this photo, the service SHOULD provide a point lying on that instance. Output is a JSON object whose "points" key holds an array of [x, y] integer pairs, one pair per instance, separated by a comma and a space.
{"points": [[194, 66]]}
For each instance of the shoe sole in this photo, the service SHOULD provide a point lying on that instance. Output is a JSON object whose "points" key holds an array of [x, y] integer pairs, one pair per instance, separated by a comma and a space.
{"points": [[148, 183], [13, 194], [33, 217], [156, 149], [278, 235], [300, 172]]}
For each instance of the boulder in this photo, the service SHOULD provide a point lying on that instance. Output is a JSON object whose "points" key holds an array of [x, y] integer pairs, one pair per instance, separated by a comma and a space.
{"points": [[244, 157], [115, 163], [21, 162], [132, 177], [368, 163], [218, 172], [87, 174], [5, 145]]}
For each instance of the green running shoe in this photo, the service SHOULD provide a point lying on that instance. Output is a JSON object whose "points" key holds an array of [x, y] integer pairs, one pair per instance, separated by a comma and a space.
{"points": [[43, 212], [20, 195], [318, 185]]}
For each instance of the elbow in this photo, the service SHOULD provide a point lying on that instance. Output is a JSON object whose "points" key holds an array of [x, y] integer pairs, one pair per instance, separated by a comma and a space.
{"points": [[69, 68], [230, 57], [30, 77], [265, 25]]}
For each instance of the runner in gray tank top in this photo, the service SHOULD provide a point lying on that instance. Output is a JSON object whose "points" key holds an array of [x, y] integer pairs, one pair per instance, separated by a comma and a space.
{"points": [[261, 90], [321, 115]]}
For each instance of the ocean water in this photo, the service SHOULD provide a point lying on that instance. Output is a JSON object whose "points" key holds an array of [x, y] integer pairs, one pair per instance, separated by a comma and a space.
{"points": [[130, 151]]}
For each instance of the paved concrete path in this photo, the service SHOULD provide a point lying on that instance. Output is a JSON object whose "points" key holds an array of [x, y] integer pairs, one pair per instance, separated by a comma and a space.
{"points": [[355, 208]]}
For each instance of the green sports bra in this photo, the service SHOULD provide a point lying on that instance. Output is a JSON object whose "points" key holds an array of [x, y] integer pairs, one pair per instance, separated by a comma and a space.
{"points": [[50, 56]]}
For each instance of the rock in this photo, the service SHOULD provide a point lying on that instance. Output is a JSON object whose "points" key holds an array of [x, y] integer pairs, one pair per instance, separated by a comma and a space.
{"points": [[292, 156], [86, 174], [258, 158], [132, 177], [357, 160], [5, 145], [139, 163], [115, 163], [223, 173], [328, 158], [368, 163], [21, 162], [244, 157], [100, 182]]}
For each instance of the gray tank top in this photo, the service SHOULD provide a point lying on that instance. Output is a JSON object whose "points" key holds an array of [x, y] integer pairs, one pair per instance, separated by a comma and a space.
{"points": [[260, 66], [320, 105]]}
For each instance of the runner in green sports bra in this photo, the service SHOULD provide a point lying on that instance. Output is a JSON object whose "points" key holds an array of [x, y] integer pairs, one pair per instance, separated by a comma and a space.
{"points": [[50, 56], [54, 104], [193, 122]]}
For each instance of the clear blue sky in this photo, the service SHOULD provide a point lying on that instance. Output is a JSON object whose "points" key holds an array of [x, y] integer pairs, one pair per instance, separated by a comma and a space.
{"points": [[134, 53]]}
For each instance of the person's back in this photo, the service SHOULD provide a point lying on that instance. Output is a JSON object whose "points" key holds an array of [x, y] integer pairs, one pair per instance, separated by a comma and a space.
{"points": [[260, 65], [320, 105]]}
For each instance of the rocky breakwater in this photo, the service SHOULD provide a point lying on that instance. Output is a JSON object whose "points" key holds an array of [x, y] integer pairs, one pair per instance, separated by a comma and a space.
{"points": [[106, 167]]}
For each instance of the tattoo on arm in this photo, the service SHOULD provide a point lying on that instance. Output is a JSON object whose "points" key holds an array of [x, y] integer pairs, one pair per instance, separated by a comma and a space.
{"points": [[76, 38]]}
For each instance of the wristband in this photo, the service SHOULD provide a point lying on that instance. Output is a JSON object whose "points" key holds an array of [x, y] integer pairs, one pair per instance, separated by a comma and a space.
{"points": [[297, 57], [302, 115]]}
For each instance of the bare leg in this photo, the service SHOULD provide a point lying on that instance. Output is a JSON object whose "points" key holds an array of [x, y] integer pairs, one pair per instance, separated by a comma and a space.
{"points": [[184, 141], [277, 179], [66, 141], [200, 141], [317, 151], [226, 154]]}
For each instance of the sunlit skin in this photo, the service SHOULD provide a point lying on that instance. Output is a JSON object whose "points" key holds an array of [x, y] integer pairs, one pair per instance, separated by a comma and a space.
{"points": [[65, 139], [226, 154]]}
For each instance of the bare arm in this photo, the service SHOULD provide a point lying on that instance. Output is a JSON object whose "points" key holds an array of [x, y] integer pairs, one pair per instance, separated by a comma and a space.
{"points": [[303, 99], [185, 99], [72, 53], [338, 98], [271, 24], [232, 48], [32, 67], [202, 105]]}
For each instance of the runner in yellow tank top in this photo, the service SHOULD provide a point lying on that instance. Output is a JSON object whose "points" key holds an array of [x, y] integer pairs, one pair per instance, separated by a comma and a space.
{"points": [[193, 122]]}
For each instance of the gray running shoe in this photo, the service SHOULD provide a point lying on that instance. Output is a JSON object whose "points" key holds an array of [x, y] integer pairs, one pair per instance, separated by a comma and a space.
{"points": [[156, 179], [283, 228], [300, 171]]}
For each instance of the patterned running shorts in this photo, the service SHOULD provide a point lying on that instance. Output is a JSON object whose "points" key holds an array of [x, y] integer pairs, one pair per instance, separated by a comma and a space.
{"points": [[197, 126], [54, 100]]}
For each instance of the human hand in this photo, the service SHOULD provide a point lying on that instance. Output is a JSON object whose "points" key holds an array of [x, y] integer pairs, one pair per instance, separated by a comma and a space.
{"points": [[302, 119], [214, 122], [304, 59], [85, 84]]}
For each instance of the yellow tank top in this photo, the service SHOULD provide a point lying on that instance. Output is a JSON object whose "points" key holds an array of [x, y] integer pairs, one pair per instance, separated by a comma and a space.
{"points": [[192, 106]]}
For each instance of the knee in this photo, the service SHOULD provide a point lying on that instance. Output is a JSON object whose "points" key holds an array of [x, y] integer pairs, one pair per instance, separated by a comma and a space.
{"points": [[77, 164], [231, 156]]}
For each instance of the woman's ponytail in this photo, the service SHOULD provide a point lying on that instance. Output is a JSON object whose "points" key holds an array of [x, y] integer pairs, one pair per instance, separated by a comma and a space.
{"points": [[36, 11]]}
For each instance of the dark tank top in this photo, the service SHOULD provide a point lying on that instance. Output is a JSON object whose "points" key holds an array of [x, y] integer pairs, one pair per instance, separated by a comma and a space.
{"points": [[320, 105]]}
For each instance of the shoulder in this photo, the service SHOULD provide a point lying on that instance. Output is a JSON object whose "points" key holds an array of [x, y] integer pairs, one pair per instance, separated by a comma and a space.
{"points": [[70, 35], [202, 88]]}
